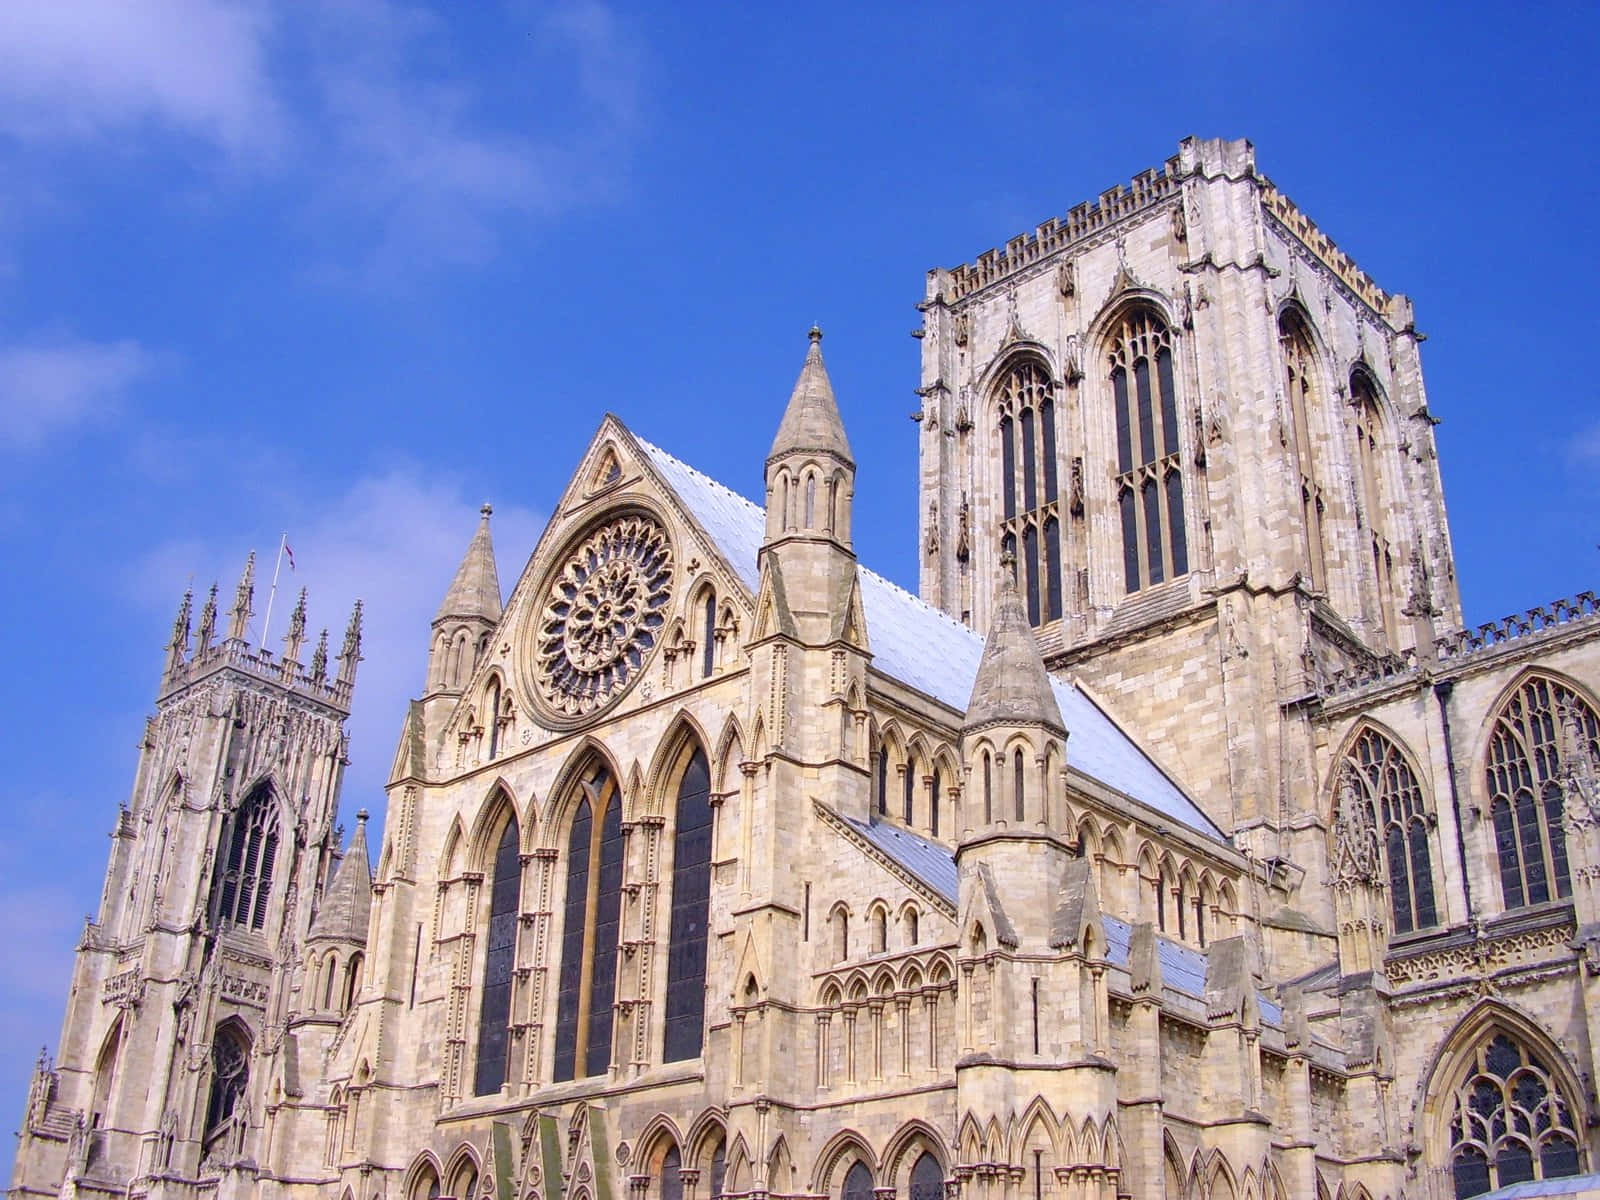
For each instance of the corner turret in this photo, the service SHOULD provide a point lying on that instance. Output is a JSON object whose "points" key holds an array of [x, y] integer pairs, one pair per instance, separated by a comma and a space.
{"points": [[468, 614]]}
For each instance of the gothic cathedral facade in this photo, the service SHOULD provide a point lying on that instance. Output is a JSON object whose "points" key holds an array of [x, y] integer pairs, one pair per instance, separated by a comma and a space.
{"points": [[1178, 841]]}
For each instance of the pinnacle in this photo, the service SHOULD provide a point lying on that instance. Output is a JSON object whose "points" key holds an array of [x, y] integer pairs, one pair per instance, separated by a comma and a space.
{"points": [[812, 422], [475, 590], [1012, 686], [347, 903]]}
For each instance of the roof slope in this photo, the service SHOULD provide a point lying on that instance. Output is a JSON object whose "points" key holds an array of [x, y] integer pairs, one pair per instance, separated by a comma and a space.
{"points": [[937, 655]]}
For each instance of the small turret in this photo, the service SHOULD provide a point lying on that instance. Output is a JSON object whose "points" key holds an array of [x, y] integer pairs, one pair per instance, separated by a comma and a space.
{"points": [[178, 647], [337, 940], [810, 472], [1013, 732], [468, 614]]}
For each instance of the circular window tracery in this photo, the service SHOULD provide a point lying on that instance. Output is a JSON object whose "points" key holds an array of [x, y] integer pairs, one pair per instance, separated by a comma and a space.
{"points": [[602, 614]]}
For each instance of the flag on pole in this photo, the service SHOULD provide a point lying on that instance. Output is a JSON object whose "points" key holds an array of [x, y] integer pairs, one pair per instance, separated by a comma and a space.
{"points": [[288, 552]]}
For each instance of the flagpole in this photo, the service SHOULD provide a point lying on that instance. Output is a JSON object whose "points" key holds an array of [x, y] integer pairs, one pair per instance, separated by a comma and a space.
{"points": [[273, 594]]}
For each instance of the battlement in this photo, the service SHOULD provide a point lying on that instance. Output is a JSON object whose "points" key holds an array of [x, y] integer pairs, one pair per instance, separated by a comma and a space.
{"points": [[1144, 191], [261, 664], [1343, 267], [1460, 647]]}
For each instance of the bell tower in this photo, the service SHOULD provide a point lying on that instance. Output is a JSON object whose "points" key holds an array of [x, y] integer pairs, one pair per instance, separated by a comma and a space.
{"points": [[185, 978]]}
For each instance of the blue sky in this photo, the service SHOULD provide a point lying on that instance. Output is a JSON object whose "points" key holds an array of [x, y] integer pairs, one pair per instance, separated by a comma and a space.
{"points": [[350, 269]]}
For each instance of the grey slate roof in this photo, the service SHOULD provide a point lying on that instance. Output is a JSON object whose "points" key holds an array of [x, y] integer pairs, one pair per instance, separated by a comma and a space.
{"points": [[347, 902], [937, 655], [928, 861], [1572, 1185]]}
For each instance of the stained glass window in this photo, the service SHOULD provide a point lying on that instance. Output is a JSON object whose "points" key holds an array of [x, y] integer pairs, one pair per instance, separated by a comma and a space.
{"points": [[252, 850], [494, 1009], [1538, 727], [586, 988], [927, 1180], [1509, 1121], [691, 897], [857, 1183], [1395, 810], [230, 1076]]}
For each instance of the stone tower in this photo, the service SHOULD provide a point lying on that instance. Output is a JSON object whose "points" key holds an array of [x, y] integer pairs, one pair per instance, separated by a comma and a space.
{"points": [[186, 979], [1202, 431]]}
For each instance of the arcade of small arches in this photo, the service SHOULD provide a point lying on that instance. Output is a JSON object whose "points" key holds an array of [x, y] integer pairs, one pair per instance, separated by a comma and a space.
{"points": [[333, 978], [894, 1022]]}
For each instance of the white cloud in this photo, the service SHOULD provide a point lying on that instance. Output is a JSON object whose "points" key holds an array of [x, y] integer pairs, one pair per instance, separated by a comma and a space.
{"points": [[82, 68], [50, 386], [394, 540], [1584, 448]]}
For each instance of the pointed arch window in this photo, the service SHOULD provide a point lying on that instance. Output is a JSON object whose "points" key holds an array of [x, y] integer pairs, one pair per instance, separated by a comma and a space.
{"points": [[1025, 401], [499, 961], [1149, 478], [587, 984], [1509, 1121], [988, 790], [670, 1186], [908, 785], [1543, 727], [1368, 422], [933, 804], [691, 899], [1300, 386], [883, 778], [1017, 780], [857, 1183], [1394, 808], [927, 1179], [230, 1077], [251, 853], [491, 716], [708, 652]]}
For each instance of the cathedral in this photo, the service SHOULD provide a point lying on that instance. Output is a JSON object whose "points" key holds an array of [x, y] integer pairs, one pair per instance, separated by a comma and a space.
{"points": [[1179, 840]]}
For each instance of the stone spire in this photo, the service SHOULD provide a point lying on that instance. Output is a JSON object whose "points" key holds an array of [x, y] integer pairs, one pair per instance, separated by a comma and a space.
{"points": [[241, 612], [475, 591], [208, 624], [1012, 686], [178, 647], [350, 654], [342, 915], [811, 423]]}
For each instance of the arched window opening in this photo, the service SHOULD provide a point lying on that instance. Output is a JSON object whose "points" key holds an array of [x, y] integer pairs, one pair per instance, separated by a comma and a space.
{"points": [[708, 650], [1542, 728], [1393, 807], [1300, 385], [719, 1171], [1017, 781], [669, 1181], [1509, 1122], [105, 1074], [252, 851], [988, 790], [330, 973], [500, 955], [811, 501], [857, 1183], [927, 1179], [491, 717], [426, 1185], [1149, 480], [464, 1182], [1027, 417], [587, 984], [883, 779], [1374, 495], [933, 804], [352, 983], [878, 925], [841, 934], [230, 1076], [911, 926], [691, 900], [908, 785]]}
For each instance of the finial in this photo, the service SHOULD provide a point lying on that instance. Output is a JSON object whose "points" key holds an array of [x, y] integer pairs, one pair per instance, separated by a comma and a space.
{"points": [[208, 622], [350, 655], [816, 333], [1008, 561], [361, 816], [487, 509], [319, 658]]}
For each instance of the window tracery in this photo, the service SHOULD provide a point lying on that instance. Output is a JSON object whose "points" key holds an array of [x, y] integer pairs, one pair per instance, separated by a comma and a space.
{"points": [[1030, 495], [246, 880], [691, 898], [587, 984], [1149, 475], [230, 1076], [1509, 1121], [1524, 770], [1381, 812], [500, 953]]}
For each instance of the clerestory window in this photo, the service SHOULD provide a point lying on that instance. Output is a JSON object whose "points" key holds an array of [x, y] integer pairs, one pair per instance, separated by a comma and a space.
{"points": [[1149, 476], [588, 980]]}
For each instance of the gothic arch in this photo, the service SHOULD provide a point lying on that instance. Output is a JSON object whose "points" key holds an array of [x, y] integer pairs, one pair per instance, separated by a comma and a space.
{"points": [[668, 762], [1292, 308], [969, 1137], [1037, 1116], [1508, 692], [708, 1132], [465, 1168], [1022, 352], [1123, 304], [906, 1145], [454, 839], [562, 796], [1454, 1063], [729, 753], [836, 1157], [780, 1167], [659, 1135], [1174, 1169], [497, 807], [423, 1170]]}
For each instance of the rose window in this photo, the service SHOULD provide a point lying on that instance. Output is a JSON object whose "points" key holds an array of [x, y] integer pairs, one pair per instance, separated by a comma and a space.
{"points": [[602, 615]]}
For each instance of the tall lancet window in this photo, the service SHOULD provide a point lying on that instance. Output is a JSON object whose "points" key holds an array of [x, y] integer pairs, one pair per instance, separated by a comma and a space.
{"points": [[250, 852], [1149, 480], [500, 959], [691, 896], [588, 981], [1544, 728], [1374, 495], [1393, 808], [1031, 525], [1300, 386]]}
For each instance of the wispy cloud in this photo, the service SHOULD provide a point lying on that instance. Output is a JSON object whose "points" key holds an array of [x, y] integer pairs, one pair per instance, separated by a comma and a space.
{"points": [[392, 539], [1584, 449], [80, 69], [48, 387]]}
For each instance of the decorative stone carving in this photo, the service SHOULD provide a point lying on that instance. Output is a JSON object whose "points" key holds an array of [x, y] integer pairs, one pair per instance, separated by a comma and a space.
{"points": [[1356, 854], [602, 614]]}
